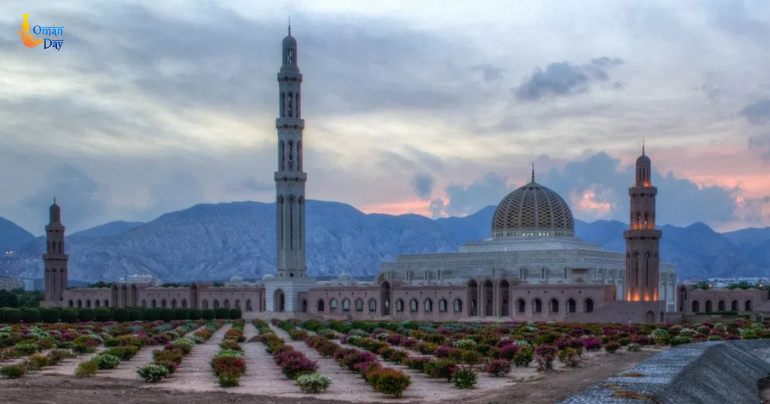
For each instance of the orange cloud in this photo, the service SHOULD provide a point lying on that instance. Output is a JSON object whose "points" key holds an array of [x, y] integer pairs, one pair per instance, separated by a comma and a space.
{"points": [[402, 207], [590, 202]]}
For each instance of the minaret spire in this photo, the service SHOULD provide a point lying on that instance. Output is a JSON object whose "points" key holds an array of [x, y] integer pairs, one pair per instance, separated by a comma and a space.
{"points": [[642, 146], [533, 172], [289, 25]]}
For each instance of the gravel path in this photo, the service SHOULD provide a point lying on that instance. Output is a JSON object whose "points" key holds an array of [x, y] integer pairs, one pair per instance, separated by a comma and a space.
{"points": [[262, 375], [195, 372]]}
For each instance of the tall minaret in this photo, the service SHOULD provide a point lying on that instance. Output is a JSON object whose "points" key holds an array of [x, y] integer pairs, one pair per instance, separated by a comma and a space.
{"points": [[290, 179], [642, 239], [55, 260]]}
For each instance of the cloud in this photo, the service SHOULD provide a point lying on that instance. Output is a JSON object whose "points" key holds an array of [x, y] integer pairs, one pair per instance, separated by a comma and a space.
{"points": [[437, 207], [564, 79], [762, 143], [423, 186], [487, 190], [180, 191], [489, 73], [757, 113], [79, 195], [254, 185]]}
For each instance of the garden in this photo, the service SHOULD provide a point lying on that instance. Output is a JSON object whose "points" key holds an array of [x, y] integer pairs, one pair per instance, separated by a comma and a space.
{"points": [[344, 360]]}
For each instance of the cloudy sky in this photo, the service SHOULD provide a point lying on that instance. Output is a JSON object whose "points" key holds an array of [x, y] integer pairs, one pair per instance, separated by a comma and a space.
{"points": [[429, 107]]}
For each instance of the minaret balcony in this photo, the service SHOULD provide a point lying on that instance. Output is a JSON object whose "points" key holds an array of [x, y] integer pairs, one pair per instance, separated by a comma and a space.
{"points": [[642, 233], [296, 123], [290, 176], [290, 73]]}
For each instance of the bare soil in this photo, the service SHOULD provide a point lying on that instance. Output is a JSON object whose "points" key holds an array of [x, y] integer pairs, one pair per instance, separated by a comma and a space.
{"points": [[56, 388]]}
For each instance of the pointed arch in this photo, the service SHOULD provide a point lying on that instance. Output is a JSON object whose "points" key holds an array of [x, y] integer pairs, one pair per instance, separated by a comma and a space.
{"points": [[359, 305], [321, 307], [588, 305]]}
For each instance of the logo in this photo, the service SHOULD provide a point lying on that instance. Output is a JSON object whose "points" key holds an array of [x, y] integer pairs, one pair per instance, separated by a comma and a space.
{"points": [[28, 38]]}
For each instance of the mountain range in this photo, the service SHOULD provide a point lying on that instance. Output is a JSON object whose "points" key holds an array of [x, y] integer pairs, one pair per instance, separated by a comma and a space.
{"points": [[217, 241]]}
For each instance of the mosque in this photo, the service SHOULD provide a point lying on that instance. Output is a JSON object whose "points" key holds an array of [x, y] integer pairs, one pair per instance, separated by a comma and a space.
{"points": [[532, 267]]}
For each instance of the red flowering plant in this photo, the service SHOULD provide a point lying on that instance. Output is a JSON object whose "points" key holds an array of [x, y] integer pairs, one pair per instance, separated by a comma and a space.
{"points": [[295, 364]]}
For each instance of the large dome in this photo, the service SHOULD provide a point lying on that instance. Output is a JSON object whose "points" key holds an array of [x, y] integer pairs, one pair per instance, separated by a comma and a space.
{"points": [[533, 211]]}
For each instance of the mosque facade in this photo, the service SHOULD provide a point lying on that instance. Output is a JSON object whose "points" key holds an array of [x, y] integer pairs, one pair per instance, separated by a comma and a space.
{"points": [[532, 267]]}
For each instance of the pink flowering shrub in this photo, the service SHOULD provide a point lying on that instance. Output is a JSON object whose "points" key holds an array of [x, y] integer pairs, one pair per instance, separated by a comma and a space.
{"points": [[507, 352], [592, 344], [499, 367], [443, 351], [544, 355]]}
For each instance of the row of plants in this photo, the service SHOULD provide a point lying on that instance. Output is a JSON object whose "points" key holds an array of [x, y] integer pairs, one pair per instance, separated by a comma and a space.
{"points": [[228, 365], [36, 363], [382, 379], [167, 360], [293, 363], [72, 315], [124, 347]]}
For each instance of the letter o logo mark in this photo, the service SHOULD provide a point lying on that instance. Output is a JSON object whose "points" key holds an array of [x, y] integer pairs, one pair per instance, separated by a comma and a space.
{"points": [[36, 29]]}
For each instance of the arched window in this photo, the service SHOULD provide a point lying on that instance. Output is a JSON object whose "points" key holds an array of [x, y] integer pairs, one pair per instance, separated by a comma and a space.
{"points": [[333, 305], [571, 306], [428, 305], [359, 305], [106, 303], [537, 306], [521, 306], [708, 306], [248, 305], [321, 307], [88, 302], [346, 305], [205, 304], [588, 306], [695, 306], [70, 304], [216, 304], [144, 303], [97, 303], [399, 305], [238, 304], [372, 305], [227, 303], [291, 107], [748, 305], [154, 303], [458, 306], [173, 303], [163, 303], [554, 306], [80, 304], [413, 305], [299, 153], [291, 155], [721, 305], [184, 303], [283, 105], [733, 305], [442, 306]]}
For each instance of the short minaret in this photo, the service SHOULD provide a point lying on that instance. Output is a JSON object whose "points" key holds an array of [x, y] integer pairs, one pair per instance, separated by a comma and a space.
{"points": [[642, 239], [290, 178], [55, 260]]}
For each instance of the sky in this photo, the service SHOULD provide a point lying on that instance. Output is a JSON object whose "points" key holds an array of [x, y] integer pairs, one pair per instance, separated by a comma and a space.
{"points": [[437, 108]]}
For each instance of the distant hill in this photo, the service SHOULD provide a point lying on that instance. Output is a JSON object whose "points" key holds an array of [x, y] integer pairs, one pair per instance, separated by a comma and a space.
{"points": [[12, 236], [217, 241], [107, 230]]}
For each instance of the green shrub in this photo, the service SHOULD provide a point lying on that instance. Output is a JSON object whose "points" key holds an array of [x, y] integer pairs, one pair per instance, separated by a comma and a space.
{"points": [[39, 361], [209, 314], [611, 347], [195, 314], [152, 373], [12, 316], [85, 315], [69, 315], [135, 315], [57, 355], [313, 383], [181, 314], [124, 353], [86, 369], [103, 314], [228, 380], [524, 357], [235, 314], [27, 348], [222, 313], [50, 315], [440, 369], [167, 314], [464, 378], [106, 361], [392, 382], [12, 371], [152, 314], [30, 316], [633, 347], [121, 315]]}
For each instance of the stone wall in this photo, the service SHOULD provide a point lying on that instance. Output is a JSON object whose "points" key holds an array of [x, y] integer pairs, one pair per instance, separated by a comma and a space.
{"points": [[717, 372]]}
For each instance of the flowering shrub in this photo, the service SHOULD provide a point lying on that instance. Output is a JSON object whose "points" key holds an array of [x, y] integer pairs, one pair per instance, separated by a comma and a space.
{"points": [[389, 381], [443, 351], [313, 383], [464, 378], [106, 361], [497, 368], [611, 347], [440, 369], [295, 364], [632, 347], [152, 373], [592, 344], [544, 355]]}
